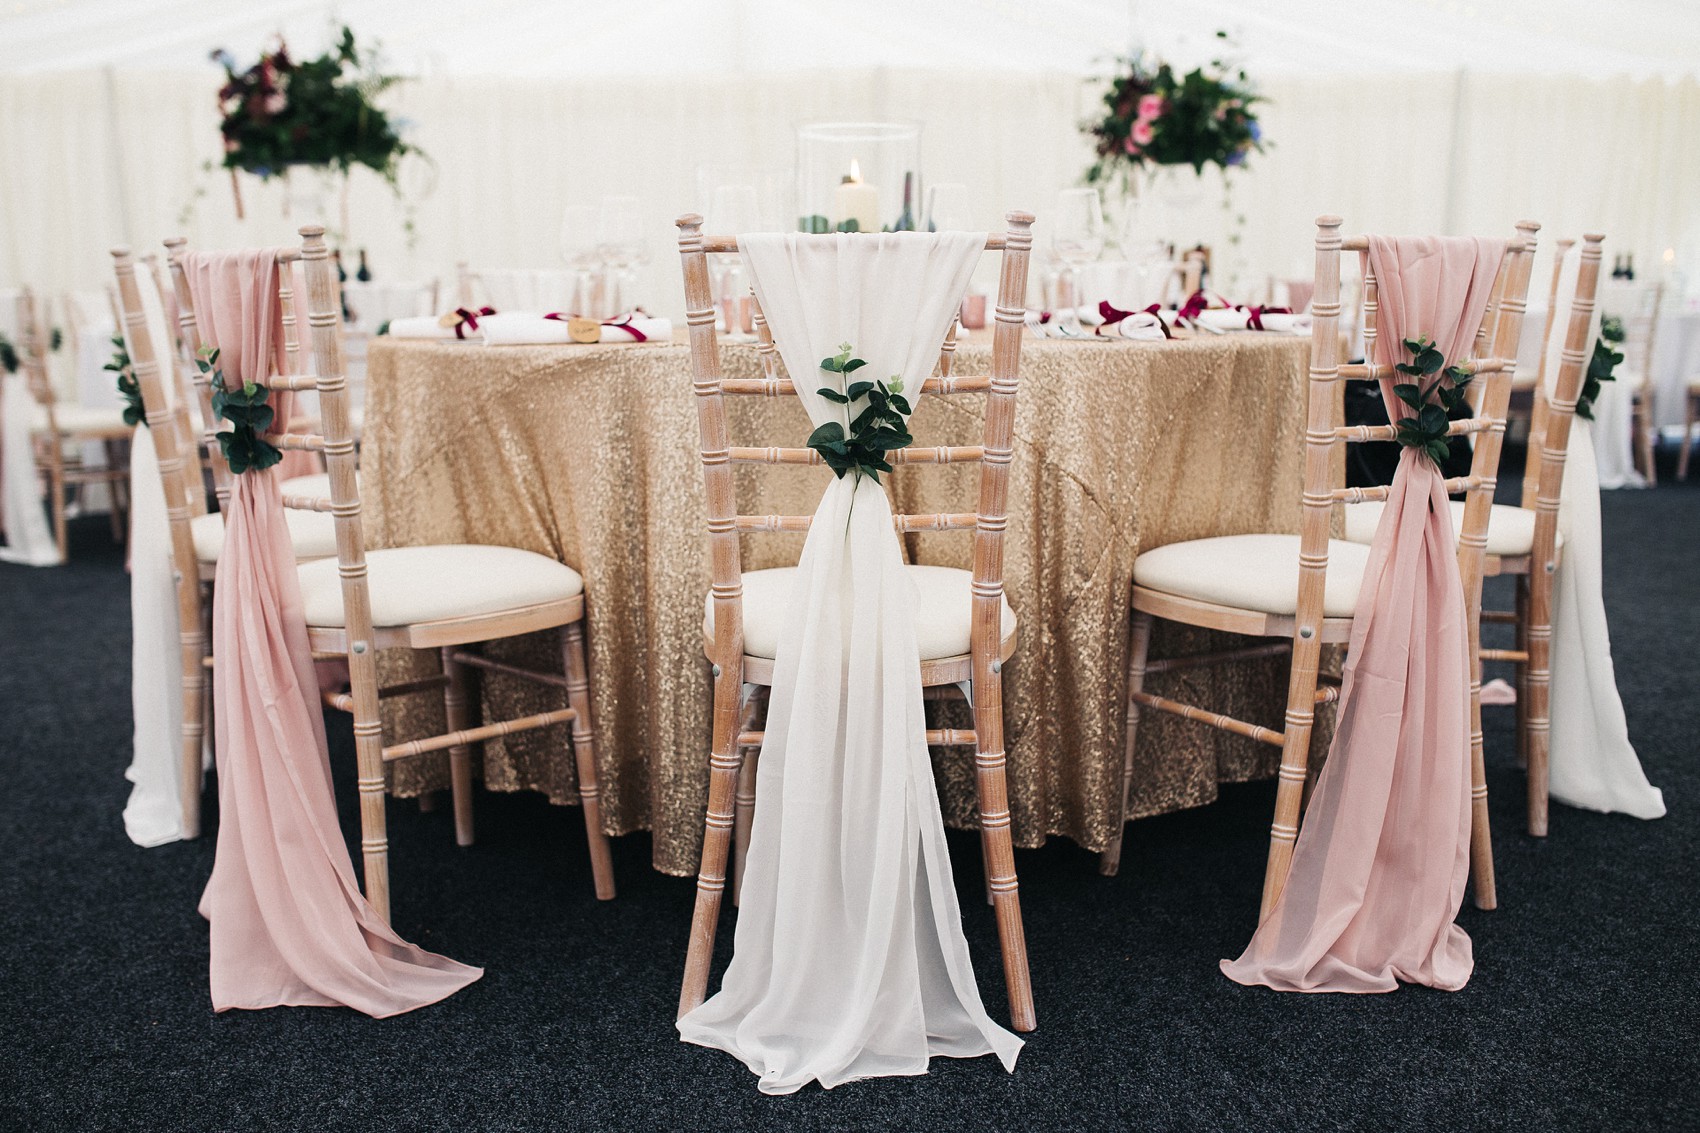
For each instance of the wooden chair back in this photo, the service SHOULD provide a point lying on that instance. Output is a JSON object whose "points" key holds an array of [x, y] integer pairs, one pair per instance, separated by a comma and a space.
{"points": [[33, 348], [719, 456], [174, 445], [1638, 306]]}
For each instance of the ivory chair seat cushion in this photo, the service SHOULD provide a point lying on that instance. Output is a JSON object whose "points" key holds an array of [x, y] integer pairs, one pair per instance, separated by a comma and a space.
{"points": [[1511, 530], [1251, 572], [943, 615], [100, 420], [412, 585], [311, 533]]}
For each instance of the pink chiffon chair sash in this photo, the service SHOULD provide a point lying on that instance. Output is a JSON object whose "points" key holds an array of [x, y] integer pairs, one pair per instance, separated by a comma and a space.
{"points": [[289, 925], [1382, 860]]}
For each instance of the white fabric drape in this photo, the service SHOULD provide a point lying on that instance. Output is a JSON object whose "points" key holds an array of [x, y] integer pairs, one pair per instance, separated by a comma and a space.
{"points": [[29, 538], [850, 960], [1592, 763], [153, 815]]}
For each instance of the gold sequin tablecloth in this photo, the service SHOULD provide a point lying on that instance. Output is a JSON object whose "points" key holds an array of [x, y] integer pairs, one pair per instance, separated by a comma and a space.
{"points": [[589, 454]]}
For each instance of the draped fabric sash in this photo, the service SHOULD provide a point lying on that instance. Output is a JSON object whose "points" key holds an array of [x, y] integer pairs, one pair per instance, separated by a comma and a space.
{"points": [[1382, 858], [850, 960], [289, 924], [1592, 763]]}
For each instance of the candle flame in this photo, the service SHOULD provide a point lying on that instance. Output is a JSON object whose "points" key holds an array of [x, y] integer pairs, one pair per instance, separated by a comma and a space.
{"points": [[855, 172], [1670, 255]]}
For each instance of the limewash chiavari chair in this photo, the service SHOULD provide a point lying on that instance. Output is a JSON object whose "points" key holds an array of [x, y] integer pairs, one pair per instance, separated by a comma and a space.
{"points": [[1523, 536], [197, 536], [1303, 588], [990, 625], [1639, 306], [56, 425], [448, 598], [174, 443]]}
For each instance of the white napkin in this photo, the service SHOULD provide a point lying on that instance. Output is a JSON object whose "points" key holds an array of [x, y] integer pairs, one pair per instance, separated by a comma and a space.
{"points": [[521, 328], [423, 326]]}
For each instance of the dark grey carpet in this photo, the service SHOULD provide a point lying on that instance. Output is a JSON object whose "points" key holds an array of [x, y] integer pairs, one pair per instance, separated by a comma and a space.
{"points": [[1581, 1014]]}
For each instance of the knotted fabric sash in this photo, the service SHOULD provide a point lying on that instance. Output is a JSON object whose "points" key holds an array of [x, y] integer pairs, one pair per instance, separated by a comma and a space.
{"points": [[289, 924], [1382, 859], [850, 960]]}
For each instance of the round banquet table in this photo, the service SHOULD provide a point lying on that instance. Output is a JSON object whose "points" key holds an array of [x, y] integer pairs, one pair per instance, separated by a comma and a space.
{"points": [[589, 454]]}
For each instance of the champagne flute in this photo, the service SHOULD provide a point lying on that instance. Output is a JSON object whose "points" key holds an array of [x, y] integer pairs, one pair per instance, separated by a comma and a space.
{"points": [[622, 244], [947, 207], [579, 253], [1077, 238], [732, 209]]}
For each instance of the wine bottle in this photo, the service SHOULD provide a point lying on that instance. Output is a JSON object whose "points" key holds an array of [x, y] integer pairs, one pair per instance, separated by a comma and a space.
{"points": [[364, 273], [1629, 266]]}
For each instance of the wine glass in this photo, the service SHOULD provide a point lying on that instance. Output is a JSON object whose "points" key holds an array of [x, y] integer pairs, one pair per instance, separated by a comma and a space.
{"points": [[622, 246], [1077, 238], [579, 252], [732, 209], [947, 207]]}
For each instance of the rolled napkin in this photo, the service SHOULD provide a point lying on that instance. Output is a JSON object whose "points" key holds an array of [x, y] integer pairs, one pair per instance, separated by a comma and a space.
{"points": [[523, 328], [1254, 318], [458, 323]]}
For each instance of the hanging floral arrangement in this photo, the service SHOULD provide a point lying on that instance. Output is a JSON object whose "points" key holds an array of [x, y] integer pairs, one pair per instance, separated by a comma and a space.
{"points": [[1156, 117]]}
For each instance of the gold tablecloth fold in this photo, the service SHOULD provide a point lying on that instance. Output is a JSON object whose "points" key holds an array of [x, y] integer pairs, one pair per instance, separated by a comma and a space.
{"points": [[589, 454]]}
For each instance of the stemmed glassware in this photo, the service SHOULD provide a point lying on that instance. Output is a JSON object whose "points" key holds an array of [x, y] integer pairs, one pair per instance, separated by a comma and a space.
{"points": [[732, 209], [947, 207], [623, 247], [1077, 238], [579, 251]]}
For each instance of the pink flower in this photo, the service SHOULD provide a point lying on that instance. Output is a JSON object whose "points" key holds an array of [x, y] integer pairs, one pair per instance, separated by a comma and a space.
{"points": [[1150, 106], [1130, 147], [1141, 132]]}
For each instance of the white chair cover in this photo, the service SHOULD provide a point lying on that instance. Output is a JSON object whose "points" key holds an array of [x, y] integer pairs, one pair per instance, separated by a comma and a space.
{"points": [[29, 539], [1592, 763], [850, 960]]}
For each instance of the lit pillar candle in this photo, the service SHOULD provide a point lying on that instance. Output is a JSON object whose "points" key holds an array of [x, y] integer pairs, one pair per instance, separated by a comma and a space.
{"points": [[856, 200]]}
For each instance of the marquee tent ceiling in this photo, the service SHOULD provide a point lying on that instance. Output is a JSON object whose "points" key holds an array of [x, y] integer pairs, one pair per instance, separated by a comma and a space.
{"points": [[544, 40]]}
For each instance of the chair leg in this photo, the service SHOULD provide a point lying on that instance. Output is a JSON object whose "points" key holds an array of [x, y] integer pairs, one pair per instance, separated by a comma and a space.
{"points": [[56, 498], [723, 767], [428, 802], [1521, 670], [455, 707], [993, 796], [1687, 435], [1540, 689], [745, 807], [1295, 759], [1481, 833], [195, 698], [1110, 860], [1641, 417], [369, 779], [584, 756]]}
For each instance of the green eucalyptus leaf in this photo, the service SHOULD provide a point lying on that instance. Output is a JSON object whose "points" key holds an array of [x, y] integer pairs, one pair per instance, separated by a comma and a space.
{"points": [[858, 389], [833, 395]]}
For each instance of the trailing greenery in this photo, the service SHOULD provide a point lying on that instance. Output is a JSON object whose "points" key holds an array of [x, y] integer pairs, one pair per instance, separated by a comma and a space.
{"points": [[318, 112], [128, 387], [1426, 429], [1600, 366], [1155, 117], [8, 355], [244, 443], [878, 429]]}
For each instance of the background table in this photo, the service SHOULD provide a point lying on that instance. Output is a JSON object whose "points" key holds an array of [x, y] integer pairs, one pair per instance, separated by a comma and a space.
{"points": [[589, 454]]}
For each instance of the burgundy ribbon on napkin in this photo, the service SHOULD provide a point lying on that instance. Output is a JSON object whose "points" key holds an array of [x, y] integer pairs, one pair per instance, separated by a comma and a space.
{"points": [[1113, 315], [624, 322], [469, 319], [1254, 315]]}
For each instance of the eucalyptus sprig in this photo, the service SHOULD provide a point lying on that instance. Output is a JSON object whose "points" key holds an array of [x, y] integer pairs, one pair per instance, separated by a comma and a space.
{"points": [[128, 387], [1426, 428], [878, 429], [8, 355], [1601, 366], [244, 443]]}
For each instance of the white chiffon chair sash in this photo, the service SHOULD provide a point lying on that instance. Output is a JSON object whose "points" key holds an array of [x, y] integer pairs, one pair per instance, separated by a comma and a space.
{"points": [[153, 816], [1592, 763], [28, 538], [849, 957]]}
